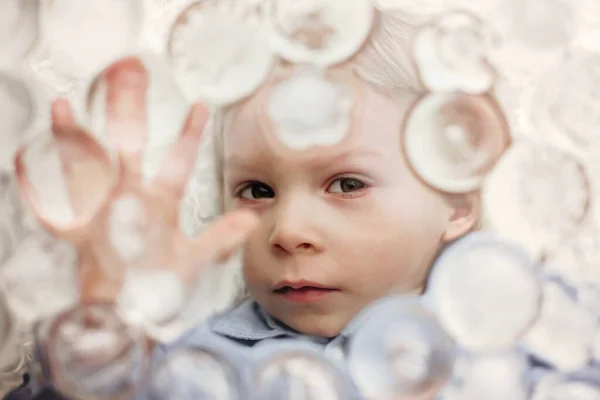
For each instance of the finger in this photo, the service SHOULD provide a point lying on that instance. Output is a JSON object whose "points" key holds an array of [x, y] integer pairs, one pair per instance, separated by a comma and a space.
{"points": [[217, 242], [95, 284], [62, 115], [181, 159], [30, 157], [126, 114], [31, 198], [88, 169], [64, 177]]}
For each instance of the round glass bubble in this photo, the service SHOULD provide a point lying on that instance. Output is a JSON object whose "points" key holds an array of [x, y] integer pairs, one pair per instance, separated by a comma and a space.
{"points": [[93, 354], [83, 36], [400, 349], [450, 53], [318, 32], [578, 385], [140, 306], [12, 217], [195, 373], [563, 333], [219, 50], [7, 329], [452, 140], [55, 83], [531, 185], [485, 292], [40, 277], [65, 194], [498, 376], [167, 109], [540, 25], [18, 29], [290, 370], [577, 259], [308, 108], [19, 105], [567, 100]]}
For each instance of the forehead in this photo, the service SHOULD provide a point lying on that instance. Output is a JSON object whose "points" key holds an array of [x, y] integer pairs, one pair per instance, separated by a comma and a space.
{"points": [[376, 124]]}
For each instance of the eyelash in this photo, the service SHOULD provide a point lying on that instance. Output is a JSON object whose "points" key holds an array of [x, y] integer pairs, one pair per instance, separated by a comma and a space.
{"points": [[248, 185], [351, 193]]}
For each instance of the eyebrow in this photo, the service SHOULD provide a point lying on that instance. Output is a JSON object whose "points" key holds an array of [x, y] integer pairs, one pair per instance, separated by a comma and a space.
{"points": [[242, 161]]}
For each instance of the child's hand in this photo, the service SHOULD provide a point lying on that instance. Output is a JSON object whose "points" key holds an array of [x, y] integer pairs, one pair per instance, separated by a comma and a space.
{"points": [[118, 222]]}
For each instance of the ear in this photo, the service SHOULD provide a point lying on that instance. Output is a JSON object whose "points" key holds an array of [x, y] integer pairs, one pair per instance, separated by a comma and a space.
{"points": [[464, 215]]}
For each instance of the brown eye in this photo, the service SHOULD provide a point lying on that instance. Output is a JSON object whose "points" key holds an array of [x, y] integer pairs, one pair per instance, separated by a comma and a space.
{"points": [[256, 190], [346, 185]]}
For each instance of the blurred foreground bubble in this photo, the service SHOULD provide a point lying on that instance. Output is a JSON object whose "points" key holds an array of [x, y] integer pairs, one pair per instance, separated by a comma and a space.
{"points": [[40, 278], [451, 54], [166, 109], [292, 370], [61, 180], [81, 37], [494, 376], [14, 347], [309, 108], [93, 354], [219, 50], [13, 217], [563, 333], [485, 292], [452, 140], [538, 24], [318, 32], [19, 30], [196, 373], [19, 107], [579, 385], [567, 101], [577, 258], [400, 350], [537, 195]]}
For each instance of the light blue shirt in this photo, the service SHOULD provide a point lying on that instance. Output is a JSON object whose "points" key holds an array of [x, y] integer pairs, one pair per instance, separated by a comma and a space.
{"points": [[240, 334]]}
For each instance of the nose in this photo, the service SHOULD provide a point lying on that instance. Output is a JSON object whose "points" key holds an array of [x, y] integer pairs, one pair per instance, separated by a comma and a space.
{"points": [[295, 229]]}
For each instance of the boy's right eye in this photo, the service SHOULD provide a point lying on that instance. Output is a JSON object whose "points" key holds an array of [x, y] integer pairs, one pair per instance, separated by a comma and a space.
{"points": [[256, 190]]}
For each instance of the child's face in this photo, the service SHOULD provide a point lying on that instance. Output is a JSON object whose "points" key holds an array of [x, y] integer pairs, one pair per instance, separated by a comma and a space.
{"points": [[351, 217]]}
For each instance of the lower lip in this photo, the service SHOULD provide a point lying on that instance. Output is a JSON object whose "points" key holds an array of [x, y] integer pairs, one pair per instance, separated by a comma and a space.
{"points": [[306, 295]]}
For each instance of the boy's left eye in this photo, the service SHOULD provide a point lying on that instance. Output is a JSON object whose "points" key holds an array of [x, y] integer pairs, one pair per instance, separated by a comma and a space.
{"points": [[346, 185]]}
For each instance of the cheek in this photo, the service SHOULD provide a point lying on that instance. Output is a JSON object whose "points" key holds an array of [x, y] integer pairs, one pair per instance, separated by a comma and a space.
{"points": [[255, 260], [402, 230]]}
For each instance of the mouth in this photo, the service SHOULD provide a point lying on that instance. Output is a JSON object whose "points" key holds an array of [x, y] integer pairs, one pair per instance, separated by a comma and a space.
{"points": [[287, 289], [302, 292]]}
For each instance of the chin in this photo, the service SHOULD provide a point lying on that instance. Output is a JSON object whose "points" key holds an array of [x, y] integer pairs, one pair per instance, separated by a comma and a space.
{"points": [[323, 326]]}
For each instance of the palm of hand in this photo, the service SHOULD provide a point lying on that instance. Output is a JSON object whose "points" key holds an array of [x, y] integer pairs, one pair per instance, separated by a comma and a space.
{"points": [[121, 222]]}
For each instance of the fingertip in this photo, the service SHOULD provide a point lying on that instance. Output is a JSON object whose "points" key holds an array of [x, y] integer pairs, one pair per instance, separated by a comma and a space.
{"points": [[127, 72], [62, 112], [245, 219]]}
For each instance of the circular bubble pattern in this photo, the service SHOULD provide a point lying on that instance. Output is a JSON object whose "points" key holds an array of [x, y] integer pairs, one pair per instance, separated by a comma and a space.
{"points": [[509, 113]]}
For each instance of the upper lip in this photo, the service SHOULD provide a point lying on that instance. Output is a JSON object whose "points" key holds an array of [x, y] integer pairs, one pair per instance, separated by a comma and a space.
{"points": [[300, 284]]}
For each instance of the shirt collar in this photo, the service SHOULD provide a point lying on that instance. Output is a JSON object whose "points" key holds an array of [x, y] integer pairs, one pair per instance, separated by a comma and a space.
{"points": [[250, 322]]}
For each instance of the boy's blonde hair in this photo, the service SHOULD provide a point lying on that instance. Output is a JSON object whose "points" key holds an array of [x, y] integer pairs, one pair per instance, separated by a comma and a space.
{"points": [[385, 62]]}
